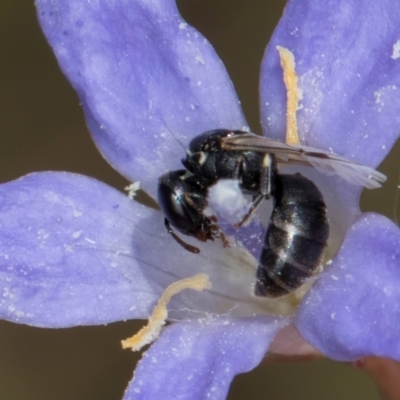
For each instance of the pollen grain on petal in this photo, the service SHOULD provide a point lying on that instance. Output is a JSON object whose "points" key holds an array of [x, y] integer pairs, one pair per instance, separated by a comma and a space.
{"points": [[132, 189]]}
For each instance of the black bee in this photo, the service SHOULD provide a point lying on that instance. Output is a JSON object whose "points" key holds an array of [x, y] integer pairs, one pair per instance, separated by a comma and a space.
{"points": [[296, 237], [182, 194], [298, 231]]}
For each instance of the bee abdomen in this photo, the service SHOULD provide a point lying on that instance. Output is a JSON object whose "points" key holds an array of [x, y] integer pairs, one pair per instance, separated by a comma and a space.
{"points": [[296, 238]]}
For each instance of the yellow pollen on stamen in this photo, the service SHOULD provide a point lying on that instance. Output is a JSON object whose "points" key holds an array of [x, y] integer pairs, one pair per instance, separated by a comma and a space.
{"points": [[292, 92], [157, 319]]}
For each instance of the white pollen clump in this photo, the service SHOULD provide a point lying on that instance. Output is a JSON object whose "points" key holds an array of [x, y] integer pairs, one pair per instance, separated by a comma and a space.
{"points": [[199, 60], [132, 189], [226, 200], [396, 51], [76, 234], [378, 97]]}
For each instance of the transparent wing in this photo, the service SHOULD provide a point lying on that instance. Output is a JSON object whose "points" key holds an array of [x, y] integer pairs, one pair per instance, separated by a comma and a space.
{"points": [[324, 161]]}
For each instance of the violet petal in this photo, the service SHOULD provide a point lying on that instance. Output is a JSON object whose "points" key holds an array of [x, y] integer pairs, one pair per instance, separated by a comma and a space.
{"points": [[66, 253], [145, 79], [74, 251], [198, 360], [352, 310], [348, 60]]}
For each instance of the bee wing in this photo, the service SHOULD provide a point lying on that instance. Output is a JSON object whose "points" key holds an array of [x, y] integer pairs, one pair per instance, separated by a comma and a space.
{"points": [[324, 161]]}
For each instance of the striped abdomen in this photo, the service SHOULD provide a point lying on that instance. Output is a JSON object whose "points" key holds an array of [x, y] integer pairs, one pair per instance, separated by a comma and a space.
{"points": [[296, 237]]}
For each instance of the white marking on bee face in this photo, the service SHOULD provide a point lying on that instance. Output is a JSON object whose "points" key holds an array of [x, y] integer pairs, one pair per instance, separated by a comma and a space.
{"points": [[185, 175], [201, 157], [267, 161]]}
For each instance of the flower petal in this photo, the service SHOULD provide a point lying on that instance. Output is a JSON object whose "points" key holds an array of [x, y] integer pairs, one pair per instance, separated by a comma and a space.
{"points": [[145, 79], [75, 251], [66, 253], [352, 311], [199, 359], [348, 60]]}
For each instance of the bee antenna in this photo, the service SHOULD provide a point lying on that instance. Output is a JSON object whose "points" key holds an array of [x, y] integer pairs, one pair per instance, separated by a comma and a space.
{"points": [[186, 246], [180, 143]]}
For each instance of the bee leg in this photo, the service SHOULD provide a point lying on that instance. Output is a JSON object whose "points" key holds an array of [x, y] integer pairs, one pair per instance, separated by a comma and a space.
{"points": [[216, 232], [257, 200], [268, 172], [224, 240]]}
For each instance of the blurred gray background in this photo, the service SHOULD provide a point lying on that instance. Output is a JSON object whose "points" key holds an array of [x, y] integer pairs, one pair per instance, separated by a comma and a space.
{"points": [[42, 128]]}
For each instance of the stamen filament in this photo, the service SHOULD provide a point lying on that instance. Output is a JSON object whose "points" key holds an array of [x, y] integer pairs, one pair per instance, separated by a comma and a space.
{"points": [[159, 315], [290, 78]]}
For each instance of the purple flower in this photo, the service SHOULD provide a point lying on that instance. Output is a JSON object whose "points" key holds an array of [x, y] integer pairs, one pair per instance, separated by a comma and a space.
{"points": [[74, 251]]}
